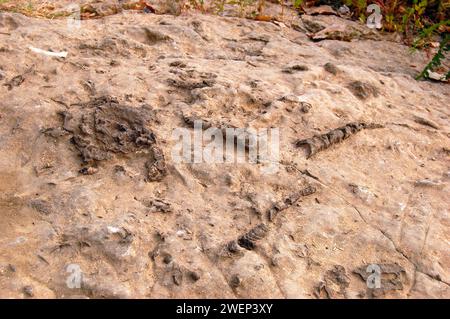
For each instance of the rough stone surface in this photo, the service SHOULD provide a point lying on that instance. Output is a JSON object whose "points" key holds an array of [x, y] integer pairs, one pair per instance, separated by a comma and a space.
{"points": [[135, 231]]}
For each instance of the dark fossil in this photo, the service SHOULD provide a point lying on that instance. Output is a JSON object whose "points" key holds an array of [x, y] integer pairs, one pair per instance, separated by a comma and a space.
{"points": [[289, 201], [249, 239], [318, 143], [103, 127], [260, 231]]}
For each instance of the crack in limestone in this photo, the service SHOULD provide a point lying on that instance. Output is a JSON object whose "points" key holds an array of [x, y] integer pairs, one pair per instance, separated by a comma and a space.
{"points": [[434, 278], [360, 215], [214, 262], [266, 258], [416, 267], [226, 281], [413, 283]]}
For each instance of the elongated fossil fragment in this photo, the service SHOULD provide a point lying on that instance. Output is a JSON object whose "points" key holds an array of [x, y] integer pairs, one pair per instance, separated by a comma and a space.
{"points": [[206, 124], [289, 201], [318, 143], [241, 136], [249, 239]]}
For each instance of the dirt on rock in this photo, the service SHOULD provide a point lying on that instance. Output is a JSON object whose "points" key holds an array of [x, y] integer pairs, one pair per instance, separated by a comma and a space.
{"points": [[90, 190]]}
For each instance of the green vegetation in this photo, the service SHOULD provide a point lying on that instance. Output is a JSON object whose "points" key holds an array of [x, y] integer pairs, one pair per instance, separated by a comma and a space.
{"points": [[444, 47], [437, 59], [420, 19]]}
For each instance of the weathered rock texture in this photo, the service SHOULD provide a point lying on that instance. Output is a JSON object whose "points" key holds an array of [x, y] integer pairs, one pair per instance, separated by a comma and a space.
{"points": [[87, 177]]}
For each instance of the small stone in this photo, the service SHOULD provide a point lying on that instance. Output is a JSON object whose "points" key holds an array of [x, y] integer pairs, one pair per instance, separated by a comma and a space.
{"points": [[312, 25], [167, 259], [344, 10], [194, 275], [363, 90], [320, 10], [305, 107], [28, 291], [295, 68], [331, 68], [177, 277], [235, 281], [119, 169], [157, 205], [178, 64], [88, 170], [55, 132], [335, 32]]}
